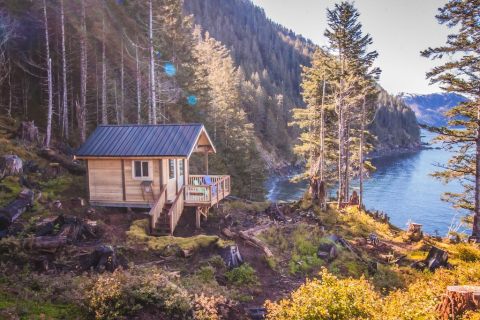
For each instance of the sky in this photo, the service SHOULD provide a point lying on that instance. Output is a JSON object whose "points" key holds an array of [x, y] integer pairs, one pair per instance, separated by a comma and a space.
{"points": [[400, 30]]}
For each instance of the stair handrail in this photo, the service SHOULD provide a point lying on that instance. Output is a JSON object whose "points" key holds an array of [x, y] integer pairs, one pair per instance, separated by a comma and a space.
{"points": [[176, 209], [157, 208]]}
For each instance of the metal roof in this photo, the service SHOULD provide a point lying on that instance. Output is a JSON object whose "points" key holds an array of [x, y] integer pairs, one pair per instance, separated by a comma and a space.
{"points": [[142, 140]]}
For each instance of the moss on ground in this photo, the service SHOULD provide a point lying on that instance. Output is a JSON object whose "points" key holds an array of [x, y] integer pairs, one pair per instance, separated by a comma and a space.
{"points": [[32, 310], [137, 234]]}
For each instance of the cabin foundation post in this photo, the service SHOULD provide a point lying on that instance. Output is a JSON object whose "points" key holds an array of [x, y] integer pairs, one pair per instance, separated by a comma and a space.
{"points": [[197, 217]]}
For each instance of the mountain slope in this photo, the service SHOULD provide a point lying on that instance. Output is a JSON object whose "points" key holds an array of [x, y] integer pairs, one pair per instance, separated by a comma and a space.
{"points": [[429, 108]]}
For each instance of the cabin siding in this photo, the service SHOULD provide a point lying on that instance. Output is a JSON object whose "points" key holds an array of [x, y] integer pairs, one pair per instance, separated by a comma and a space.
{"points": [[105, 180], [133, 189]]}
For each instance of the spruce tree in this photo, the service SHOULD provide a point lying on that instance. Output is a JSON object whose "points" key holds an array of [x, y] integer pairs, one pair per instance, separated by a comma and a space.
{"points": [[461, 74]]}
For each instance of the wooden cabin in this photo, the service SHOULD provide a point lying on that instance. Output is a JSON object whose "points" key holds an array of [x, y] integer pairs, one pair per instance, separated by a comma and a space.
{"points": [[147, 166]]}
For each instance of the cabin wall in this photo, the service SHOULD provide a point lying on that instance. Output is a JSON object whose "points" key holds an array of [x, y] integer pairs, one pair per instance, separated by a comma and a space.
{"points": [[133, 189], [105, 180]]}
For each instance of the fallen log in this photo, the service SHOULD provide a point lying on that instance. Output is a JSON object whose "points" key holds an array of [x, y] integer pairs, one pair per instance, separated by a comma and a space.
{"points": [[72, 167], [45, 243], [73, 228], [257, 242], [228, 233], [457, 300]]}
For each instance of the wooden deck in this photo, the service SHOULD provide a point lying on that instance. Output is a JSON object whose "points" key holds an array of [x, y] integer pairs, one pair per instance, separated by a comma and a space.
{"points": [[197, 193]]}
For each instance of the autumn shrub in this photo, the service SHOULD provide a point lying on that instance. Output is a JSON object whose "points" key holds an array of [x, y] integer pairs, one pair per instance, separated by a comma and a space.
{"points": [[123, 293], [209, 307], [327, 297], [467, 252], [243, 275]]}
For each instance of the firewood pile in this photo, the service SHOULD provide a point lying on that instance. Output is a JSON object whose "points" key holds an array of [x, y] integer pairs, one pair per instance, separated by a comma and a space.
{"points": [[72, 228]]}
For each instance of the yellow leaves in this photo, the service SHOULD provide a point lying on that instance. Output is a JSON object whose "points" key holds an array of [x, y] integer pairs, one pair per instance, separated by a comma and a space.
{"points": [[327, 298]]}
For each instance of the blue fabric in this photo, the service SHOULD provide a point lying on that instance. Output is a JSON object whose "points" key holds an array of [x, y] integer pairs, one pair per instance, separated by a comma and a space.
{"points": [[208, 182]]}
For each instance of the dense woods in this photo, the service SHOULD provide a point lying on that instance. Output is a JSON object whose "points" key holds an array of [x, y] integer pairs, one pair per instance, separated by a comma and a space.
{"points": [[71, 66]]}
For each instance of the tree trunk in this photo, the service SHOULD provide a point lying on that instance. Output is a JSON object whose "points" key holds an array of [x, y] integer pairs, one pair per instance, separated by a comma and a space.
{"points": [[49, 79], [139, 87], [362, 137], [458, 300], [476, 215], [82, 121], [104, 75], [64, 108], [153, 99], [122, 86]]}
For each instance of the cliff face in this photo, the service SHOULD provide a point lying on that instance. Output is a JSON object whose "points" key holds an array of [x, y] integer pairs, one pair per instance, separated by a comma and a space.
{"points": [[395, 126]]}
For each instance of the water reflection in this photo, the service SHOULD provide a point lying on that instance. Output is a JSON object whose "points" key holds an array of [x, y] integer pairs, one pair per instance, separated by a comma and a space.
{"points": [[402, 186]]}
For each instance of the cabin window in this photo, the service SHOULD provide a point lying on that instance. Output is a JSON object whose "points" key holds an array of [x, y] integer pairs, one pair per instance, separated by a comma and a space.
{"points": [[181, 168], [141, 169], [171, 169]]}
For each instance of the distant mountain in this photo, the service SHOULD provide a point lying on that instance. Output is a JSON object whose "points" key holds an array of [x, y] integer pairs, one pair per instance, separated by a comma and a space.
{"points": [[430, 108]]}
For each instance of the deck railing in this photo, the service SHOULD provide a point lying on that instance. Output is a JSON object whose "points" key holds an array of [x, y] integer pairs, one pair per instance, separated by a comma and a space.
{"points": [[176, 210], [157, 208], [197, 191]]}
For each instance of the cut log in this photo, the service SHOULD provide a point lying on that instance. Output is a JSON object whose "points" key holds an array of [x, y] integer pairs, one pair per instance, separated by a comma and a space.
{"points": [[327, 251], [10, 165], [70, 165], [73, 228], [103, 258], [457, 300], [257, 242], [46, 243], [228, 233]]}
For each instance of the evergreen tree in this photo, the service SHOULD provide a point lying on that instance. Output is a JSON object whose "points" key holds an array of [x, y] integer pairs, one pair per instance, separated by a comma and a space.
{"points": [[461, 74]]}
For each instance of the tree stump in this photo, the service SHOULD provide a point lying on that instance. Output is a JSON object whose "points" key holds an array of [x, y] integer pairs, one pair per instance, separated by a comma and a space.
{"points": [[29, 132], [10, 165], [327, 251], [457, 300], [414, 232]]}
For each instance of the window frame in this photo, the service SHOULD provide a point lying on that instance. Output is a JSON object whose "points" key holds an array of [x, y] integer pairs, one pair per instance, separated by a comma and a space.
{"points": [[148, 177], [172, 174], [181, 168]]}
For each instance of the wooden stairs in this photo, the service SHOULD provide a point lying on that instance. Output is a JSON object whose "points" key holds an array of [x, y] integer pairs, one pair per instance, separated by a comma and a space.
{"points": [[162, 226]]}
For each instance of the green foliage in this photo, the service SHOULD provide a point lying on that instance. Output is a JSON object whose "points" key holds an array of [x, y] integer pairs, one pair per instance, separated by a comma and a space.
{"points": [[206, 273], [243, 275], [327, 298], [137, 234], [123, 293], [9, 189]]}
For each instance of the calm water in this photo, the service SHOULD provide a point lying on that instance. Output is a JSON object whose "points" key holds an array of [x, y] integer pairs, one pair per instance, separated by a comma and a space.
{"points": [[401, 186]]}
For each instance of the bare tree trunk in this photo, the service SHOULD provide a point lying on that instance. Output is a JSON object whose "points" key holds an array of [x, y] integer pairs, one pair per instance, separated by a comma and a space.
{"points": [[476, 215], [122, 86], [139, 87], [82, 118], [49, 79], [10, 94], [360, 157], [322, 135], [25, 97], [153, 100], [104, 75], [347, 159], [64, 108], [117, 110]]}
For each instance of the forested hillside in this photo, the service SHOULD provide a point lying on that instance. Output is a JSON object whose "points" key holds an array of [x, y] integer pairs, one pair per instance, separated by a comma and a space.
{"points": [[72, 65], [271, 57], [268, 54]]}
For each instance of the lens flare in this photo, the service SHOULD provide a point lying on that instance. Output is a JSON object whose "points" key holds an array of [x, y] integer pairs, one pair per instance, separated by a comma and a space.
{"points": [[192, 100], [170, 69]]}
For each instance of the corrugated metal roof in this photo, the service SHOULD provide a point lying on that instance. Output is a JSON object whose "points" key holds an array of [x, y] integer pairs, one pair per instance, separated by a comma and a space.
{"points": [[141, 140]]}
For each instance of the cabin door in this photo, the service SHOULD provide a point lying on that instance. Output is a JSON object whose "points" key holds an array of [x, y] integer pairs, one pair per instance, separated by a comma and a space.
{"points": [[181, 173], [171, 179]]}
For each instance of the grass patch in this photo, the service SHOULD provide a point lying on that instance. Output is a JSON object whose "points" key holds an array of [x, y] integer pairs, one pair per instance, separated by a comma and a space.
{"points": [[137, 234], [243, 275], [245, 206], [28, 309]]}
